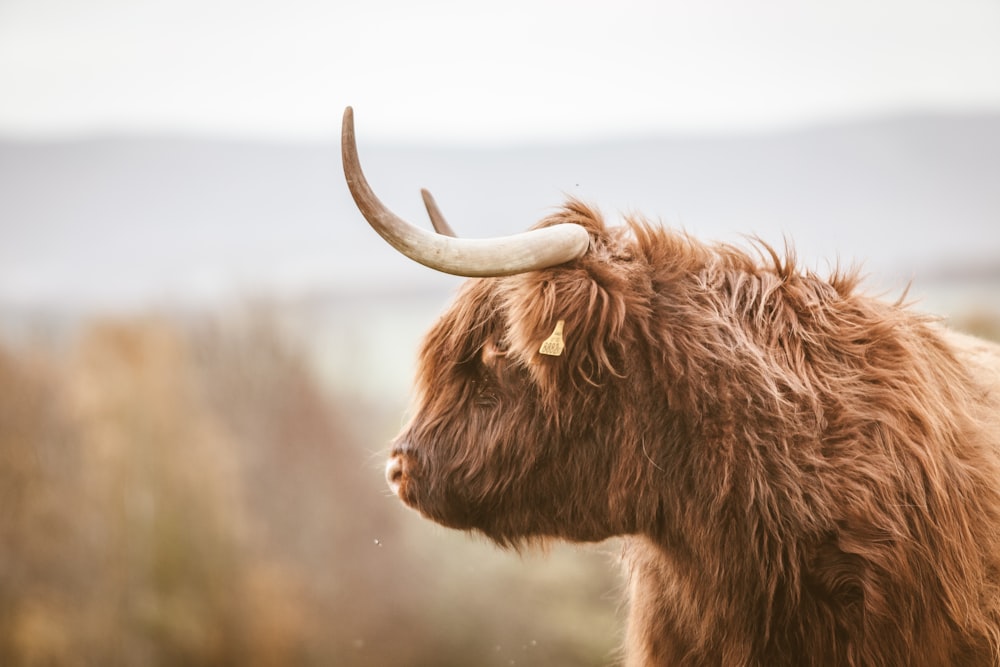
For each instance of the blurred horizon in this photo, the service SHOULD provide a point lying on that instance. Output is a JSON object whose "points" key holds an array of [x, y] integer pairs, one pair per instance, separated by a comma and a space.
{"points": [[117, 222]]}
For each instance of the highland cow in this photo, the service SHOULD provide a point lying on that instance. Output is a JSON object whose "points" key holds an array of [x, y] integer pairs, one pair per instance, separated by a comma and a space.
{"points": [[802, 474]]}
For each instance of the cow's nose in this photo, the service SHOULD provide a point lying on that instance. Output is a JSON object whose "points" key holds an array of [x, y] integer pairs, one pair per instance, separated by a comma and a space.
{"points": [[394, 473]]}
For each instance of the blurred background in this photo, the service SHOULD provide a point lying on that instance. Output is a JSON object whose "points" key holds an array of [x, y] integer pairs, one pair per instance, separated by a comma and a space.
{"points": [[204, 350]]}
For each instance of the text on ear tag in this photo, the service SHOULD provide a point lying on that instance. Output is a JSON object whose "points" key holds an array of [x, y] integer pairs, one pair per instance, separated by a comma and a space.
{"points": [[554, 345]]}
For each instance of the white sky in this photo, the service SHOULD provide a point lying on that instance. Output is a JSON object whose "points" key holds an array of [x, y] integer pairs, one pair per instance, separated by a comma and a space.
{"points": [[465, 71]]}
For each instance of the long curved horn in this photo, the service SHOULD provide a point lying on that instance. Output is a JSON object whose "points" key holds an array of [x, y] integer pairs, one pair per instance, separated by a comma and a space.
{"points": [[520, 253]]}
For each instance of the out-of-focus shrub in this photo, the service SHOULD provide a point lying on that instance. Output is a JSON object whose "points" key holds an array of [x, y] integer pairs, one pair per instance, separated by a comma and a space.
{"points": [[187, 495], [983, 324]]}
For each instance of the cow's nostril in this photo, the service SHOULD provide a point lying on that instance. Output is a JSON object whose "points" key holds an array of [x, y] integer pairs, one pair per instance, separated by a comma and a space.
{"points": [[394, 473]]}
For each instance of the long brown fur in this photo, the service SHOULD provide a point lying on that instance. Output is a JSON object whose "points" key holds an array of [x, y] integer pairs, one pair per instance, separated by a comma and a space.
{"points": [[805, 475]]}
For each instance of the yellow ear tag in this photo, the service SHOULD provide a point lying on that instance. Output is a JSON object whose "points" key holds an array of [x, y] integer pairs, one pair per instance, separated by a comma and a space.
{"points": [[554, 345]]}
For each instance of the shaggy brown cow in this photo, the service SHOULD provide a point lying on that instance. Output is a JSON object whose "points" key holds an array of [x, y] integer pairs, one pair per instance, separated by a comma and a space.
{"points": [[803, 475]]}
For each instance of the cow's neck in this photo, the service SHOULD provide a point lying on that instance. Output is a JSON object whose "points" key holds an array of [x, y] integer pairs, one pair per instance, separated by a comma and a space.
{"points": [[676, 615]]}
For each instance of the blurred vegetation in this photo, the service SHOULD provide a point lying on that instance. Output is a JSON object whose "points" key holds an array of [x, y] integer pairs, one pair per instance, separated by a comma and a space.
{"points": [[183, 493], [982, 323]]}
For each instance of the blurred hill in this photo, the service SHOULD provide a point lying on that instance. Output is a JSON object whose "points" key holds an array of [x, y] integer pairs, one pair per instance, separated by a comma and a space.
{"points": [[120, 221]]}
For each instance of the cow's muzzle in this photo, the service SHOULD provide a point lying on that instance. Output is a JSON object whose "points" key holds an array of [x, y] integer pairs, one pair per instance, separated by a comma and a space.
{"points": [[399, 469], [395, 473]]}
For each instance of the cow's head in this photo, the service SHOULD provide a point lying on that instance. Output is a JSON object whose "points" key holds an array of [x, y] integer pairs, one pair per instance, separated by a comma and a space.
{"points": [[517, 434]]}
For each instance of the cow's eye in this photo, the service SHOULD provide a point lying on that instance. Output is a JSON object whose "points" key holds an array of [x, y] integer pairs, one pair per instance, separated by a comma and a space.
{"points": [[492, 353]]}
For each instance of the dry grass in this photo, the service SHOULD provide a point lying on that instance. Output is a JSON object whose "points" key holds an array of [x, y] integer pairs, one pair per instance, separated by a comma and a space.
{"points": [[186, 495]]}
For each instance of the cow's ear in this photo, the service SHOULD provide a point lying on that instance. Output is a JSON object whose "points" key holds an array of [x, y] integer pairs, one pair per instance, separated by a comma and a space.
{"points": [[591, 296], [589, 299]]}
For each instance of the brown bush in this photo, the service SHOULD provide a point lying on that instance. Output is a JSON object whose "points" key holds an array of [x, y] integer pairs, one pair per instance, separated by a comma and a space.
{"points": [[187, 494]]}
